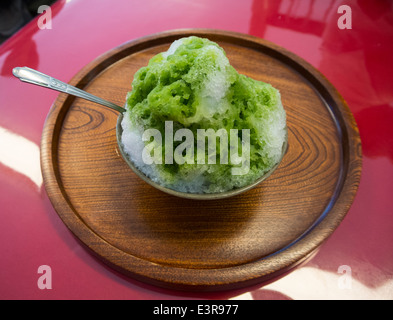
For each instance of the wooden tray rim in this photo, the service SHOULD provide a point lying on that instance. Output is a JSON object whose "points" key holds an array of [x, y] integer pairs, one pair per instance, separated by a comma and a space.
{"points": [[200, 279]]}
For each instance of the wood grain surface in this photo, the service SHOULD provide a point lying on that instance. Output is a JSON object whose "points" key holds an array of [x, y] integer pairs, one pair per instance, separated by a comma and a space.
{"points": [[192, 244]]}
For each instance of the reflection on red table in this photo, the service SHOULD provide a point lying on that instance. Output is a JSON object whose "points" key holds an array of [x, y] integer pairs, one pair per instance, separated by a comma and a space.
{"points": [[357, 260]]}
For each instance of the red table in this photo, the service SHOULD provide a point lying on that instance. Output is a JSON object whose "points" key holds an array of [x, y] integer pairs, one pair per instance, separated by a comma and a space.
{"points": [[357, 260]]}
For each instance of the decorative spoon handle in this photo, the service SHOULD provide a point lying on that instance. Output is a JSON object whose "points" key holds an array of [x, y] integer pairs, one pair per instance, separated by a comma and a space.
{"points": [[29, 75]]}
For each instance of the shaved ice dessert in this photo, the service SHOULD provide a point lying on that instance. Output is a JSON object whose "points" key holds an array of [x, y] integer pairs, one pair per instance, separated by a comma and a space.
{"points": [[188, 95]]}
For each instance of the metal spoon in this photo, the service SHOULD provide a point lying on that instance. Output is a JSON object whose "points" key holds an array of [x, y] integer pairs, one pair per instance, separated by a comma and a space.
{"points": [[29, 75]]}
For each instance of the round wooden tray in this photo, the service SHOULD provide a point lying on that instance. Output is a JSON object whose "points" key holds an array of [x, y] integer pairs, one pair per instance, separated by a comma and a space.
{"points": [[202, 245]]}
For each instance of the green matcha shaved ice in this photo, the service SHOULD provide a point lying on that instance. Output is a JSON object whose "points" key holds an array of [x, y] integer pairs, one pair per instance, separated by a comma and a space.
{"points": [[193, 86]]}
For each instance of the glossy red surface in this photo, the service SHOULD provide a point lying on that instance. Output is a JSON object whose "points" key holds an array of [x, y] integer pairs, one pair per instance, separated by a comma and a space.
{"points": [[357, 61]]}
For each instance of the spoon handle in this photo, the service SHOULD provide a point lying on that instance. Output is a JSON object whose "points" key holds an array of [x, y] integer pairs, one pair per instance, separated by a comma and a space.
{"points": [[29, 75]]}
